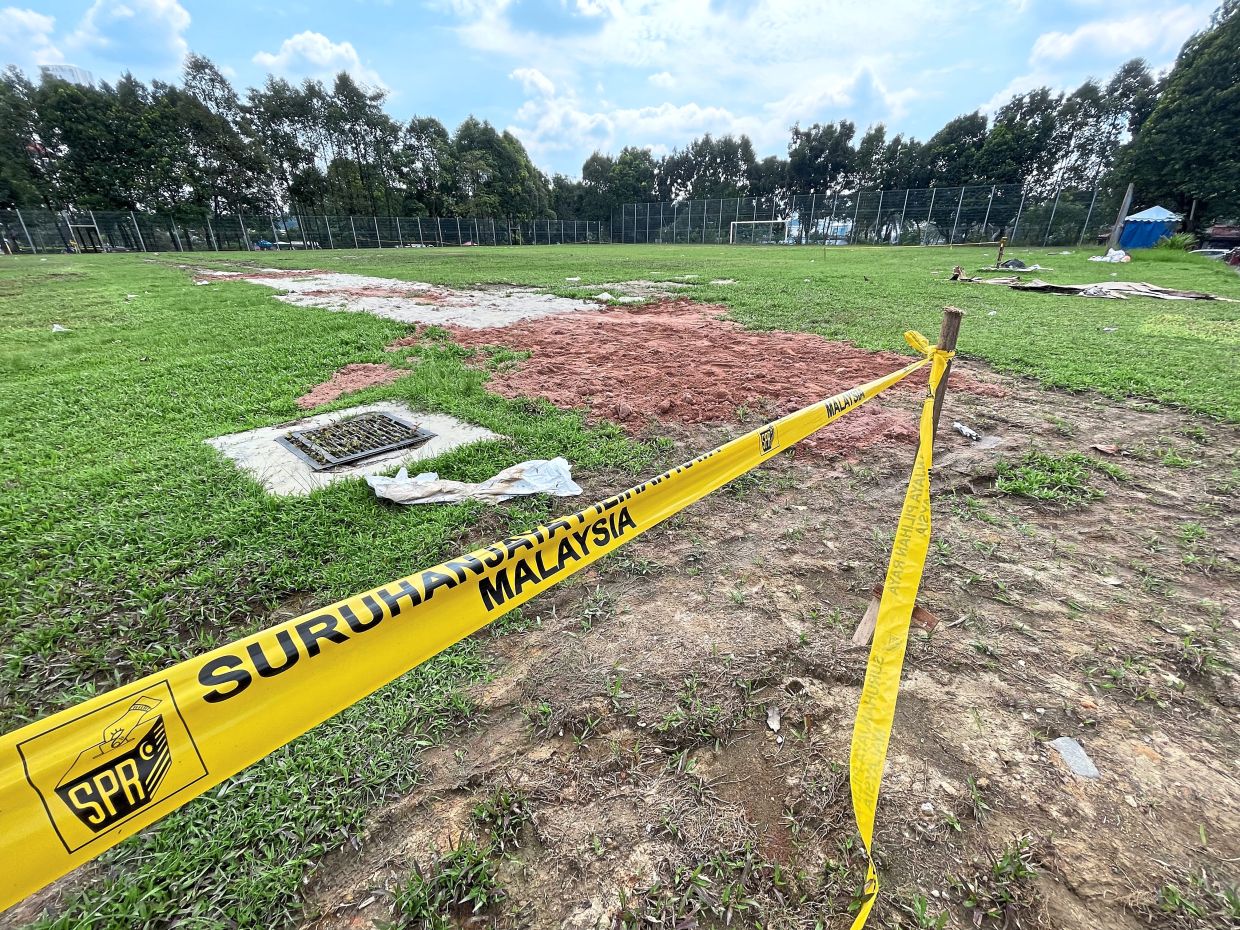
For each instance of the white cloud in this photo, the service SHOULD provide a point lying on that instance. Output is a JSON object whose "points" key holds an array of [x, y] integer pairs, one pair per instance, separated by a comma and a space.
{"points": [[312, 54], [813, 60], [136, 33], [26, 38], [1145, 33], [534, 81]]}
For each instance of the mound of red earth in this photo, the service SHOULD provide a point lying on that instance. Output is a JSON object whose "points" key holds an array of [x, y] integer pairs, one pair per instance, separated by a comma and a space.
{"points": [[678, 361], [347, 379]]}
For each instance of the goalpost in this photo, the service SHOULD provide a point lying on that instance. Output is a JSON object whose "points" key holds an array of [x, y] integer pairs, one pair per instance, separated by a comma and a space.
{"points": [[758, 232]]}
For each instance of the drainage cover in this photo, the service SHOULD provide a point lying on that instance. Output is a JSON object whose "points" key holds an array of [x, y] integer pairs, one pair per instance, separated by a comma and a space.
{"points": [[352, 440]]}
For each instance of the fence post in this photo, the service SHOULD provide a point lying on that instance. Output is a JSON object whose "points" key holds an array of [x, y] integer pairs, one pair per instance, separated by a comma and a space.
{"points": [[1051, 222], [301, 230], [353, 228], [245, 236], [852, 232], [989, 203], [1113, 239], [956, 221], [400, 240], [211, 232], [439, 231], [1019, 209], [903, 212], [327, 223], [878, 217], [378, 238], [176, 237], [133, 219], [458, 231], [934, 192], [30, 241], [1088, 217]]}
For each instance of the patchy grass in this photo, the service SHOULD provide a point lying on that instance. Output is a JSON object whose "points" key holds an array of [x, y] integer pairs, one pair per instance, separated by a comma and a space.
{"points": [[502, 815], [1064, 480], [460, 885], [1000, 892], [1199, 903], [129, 545], [870, 296]]}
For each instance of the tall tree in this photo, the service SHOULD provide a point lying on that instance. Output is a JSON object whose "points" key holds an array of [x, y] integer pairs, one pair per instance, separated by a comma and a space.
{"points": [[952, 152], [1186, 150], [821, 157]]}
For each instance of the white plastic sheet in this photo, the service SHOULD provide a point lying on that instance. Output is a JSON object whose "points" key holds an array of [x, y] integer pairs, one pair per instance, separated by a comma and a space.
{"points": [[537, 476]]}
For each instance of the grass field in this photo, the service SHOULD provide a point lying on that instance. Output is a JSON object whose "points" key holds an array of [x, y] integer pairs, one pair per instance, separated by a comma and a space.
{"points": [[128, 544]]}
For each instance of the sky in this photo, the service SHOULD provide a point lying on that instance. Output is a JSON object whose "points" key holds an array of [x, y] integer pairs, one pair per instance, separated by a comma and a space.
{"points": [[569, 77]]}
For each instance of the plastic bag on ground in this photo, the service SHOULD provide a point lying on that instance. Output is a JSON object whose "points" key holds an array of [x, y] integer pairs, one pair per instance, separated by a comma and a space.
{"points": [[1113, 255], [537, 476]]}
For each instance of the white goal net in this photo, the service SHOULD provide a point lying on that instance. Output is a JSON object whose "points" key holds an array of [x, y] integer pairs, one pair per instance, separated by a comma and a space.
{"points": [[758, 232]]}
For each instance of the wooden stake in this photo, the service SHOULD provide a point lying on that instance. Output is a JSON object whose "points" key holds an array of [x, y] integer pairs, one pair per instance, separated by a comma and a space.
{"points": [[952, 317], [865, 630]]}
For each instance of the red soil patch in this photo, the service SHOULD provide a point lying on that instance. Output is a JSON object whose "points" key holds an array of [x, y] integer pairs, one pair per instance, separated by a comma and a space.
{"points": [[677, 361], [347, 379]]}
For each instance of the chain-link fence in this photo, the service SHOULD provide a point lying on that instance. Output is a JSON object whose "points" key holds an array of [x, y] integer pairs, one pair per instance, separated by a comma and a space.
{"points": [[928, 216], [131, 231]]}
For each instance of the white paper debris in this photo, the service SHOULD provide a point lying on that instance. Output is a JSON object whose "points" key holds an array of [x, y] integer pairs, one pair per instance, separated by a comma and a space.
{"points": [[773, 717], [537, 476]]}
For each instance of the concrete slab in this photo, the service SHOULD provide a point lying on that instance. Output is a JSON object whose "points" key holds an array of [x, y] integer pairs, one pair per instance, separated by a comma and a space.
{"points": [[415, 301], [283, 473]]}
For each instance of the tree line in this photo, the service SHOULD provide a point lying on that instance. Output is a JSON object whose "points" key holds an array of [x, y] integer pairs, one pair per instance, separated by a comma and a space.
{"points": [[202, 148]]}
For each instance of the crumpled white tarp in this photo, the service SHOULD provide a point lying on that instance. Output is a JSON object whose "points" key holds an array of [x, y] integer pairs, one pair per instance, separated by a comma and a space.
{"points": [[1113, 256], [537, 476]]}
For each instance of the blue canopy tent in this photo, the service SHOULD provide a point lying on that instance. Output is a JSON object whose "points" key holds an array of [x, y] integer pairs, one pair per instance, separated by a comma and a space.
{"points": [[1143, 230]]}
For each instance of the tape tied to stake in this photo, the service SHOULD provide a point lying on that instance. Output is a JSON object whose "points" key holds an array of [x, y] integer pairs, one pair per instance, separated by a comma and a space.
{"points": [[82, 780], [876, 707]]}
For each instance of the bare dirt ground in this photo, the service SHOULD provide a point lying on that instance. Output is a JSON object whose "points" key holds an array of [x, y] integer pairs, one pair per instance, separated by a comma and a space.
{"points": [[348, 379], [625, 731], [678, 361]]}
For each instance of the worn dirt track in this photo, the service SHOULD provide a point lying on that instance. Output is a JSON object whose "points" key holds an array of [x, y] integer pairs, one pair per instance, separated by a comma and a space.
{"points": [[630, 711]]}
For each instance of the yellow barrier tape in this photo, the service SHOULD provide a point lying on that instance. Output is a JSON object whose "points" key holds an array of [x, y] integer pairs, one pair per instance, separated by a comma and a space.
{"points": [[77, 783], [877, 707]]}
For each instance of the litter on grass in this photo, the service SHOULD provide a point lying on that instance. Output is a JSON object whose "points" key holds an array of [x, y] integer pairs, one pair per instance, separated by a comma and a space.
{"points": [[57, 328], [1015, 264], [1113, 290], [537, 476], [1113, 256]]}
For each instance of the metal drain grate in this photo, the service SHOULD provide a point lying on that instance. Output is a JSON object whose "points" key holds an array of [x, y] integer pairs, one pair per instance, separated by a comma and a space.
{"points": [[352, 440]]}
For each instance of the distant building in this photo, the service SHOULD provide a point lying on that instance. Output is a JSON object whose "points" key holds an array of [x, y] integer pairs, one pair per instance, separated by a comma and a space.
{"points": [[71, 73]]}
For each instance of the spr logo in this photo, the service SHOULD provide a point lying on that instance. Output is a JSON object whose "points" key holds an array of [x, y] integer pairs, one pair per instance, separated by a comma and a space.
{"points": [[98, 770], [767, 438]]}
